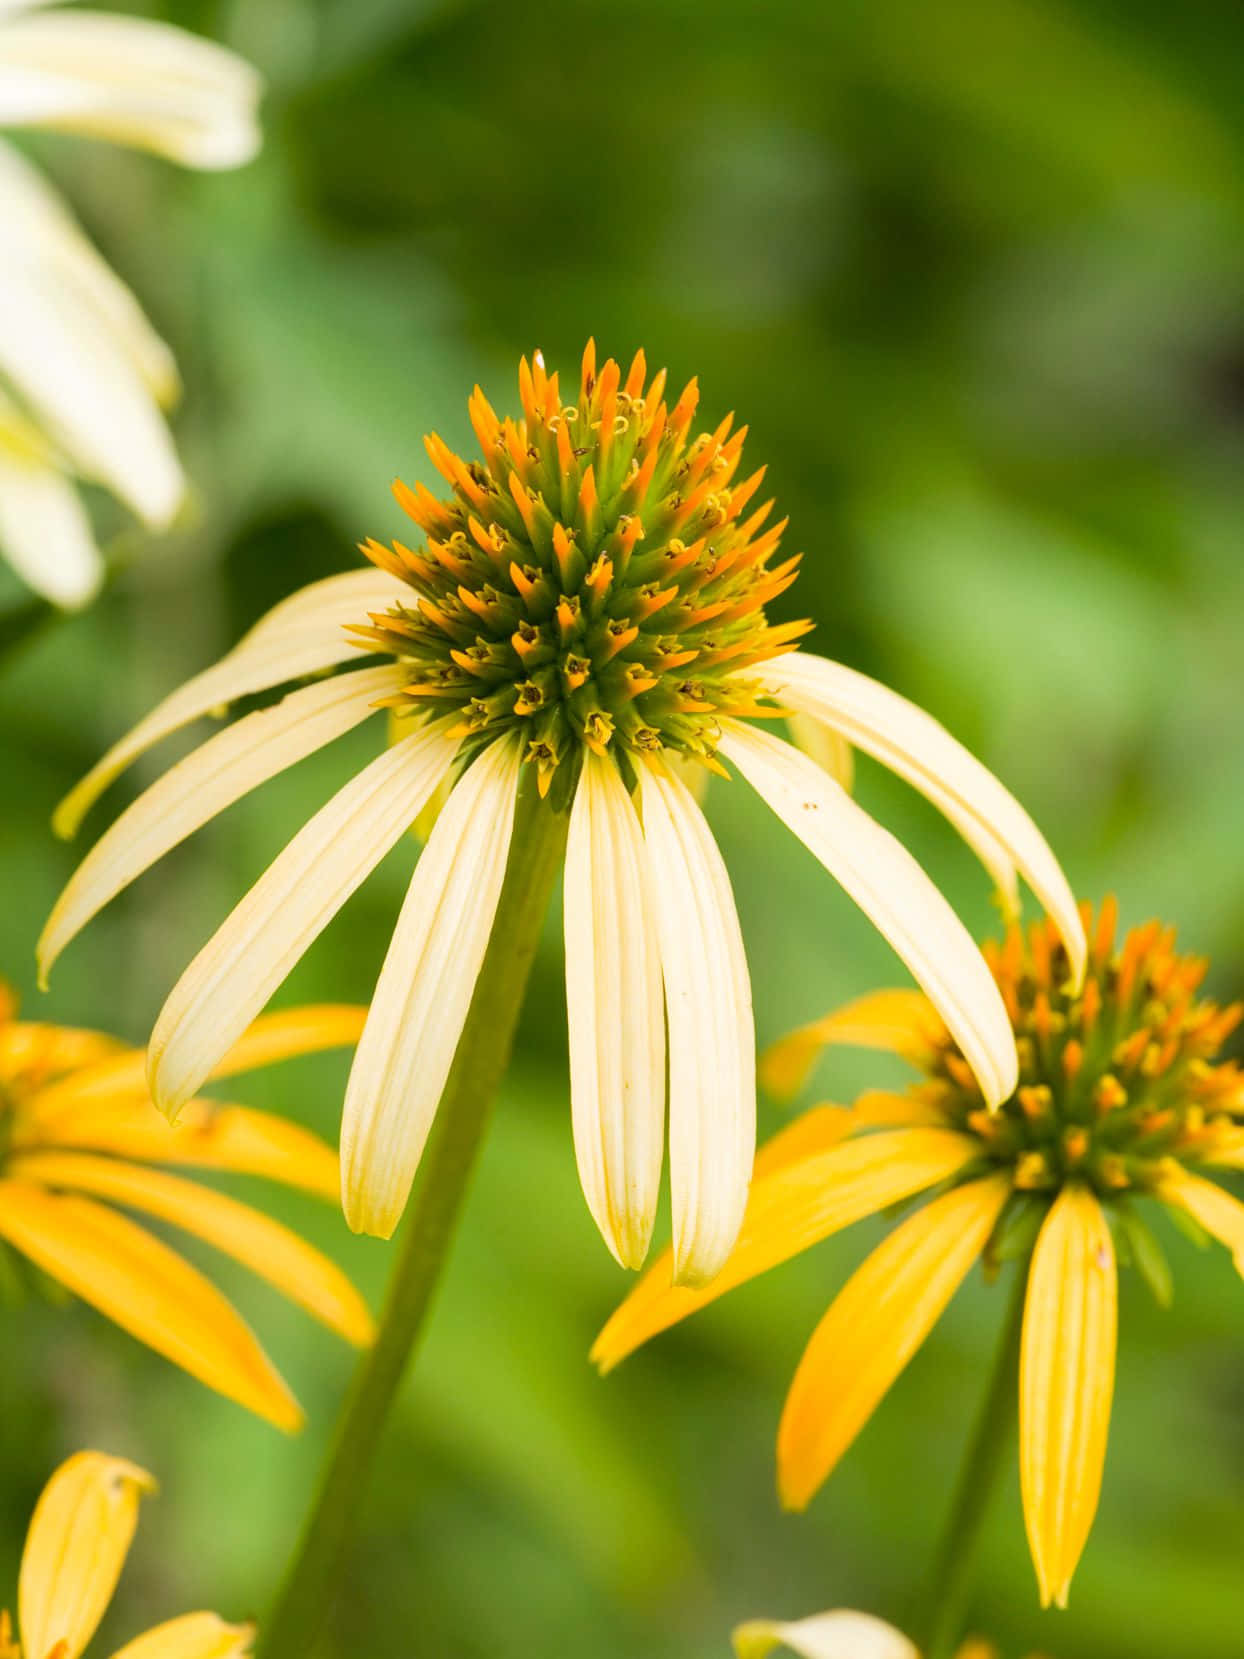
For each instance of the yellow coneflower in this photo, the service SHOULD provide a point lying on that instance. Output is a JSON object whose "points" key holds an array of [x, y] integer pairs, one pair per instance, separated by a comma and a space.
{"points": [[1121, 1099], [585, 612], [76, 1546], [841, 1635], [89, 374], [80, 1144]]}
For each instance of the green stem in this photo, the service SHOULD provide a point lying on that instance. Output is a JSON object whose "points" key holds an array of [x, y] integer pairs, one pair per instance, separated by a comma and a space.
{"points": [[305, 1599], [949, 1588]]}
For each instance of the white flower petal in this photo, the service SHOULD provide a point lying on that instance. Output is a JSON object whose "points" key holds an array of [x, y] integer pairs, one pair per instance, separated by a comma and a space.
{"points": [[616, 1013], [130, 81], [840, 1635], [43, 227], [893, 891], [236, 972], [913, 744], [207, 781], [44, 531], [424, 991], [304, 634], [712, 1108]]}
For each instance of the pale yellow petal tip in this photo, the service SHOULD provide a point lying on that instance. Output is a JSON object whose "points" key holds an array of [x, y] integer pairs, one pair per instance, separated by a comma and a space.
{"points": [[754, 1639], [111, 1471]]}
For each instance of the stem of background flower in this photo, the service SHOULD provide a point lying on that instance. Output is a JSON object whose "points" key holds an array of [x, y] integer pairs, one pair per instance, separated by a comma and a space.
{"points": [[949, 1589], [306, 1597]]}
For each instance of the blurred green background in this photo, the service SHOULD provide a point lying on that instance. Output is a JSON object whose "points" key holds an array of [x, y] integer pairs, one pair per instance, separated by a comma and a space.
{"points": [[974, 275]]}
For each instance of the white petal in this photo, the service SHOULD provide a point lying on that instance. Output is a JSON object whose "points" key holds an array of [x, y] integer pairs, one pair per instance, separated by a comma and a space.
{"points": [[44, 531], [207, 781], [130, 81], [424, 992], [236, 972], [711, 1034], [85, 390], [840, 1635], [913, 744], [893, 891], [42, 226], [304, 634], [616, 1013]]}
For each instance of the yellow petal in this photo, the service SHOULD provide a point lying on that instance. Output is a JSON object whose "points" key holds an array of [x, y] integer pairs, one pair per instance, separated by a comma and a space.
{"points": [[900, 1022], [879, 1109], [828, 748], [1066, 1384], [790, 1208], [146, 1288], [207, 1135], [272, 1251], [1217, 1211], [193, 1636], [838, 1635], [49, 1050], [77, 1543], [874, 1326]]}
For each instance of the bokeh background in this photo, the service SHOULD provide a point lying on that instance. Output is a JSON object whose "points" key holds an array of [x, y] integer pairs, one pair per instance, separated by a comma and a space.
{"points": [[974, 275]]}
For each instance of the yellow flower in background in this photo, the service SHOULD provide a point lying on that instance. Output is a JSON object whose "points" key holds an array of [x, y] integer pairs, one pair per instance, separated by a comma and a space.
{"points": [[79, 1537], [584, 619], [83, 376], [81, 1144], [1121, 1100], [840, 1635]]}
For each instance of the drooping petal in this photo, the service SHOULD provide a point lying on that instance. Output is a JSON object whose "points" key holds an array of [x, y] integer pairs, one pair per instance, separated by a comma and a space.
{"points": [[913, 744], [146, 1288], [884, 879], [828, 748], [78, 1540], [712, 1087], [616, 1013], [44, 531], [304, 634], [899, 1022], [1220, 1213], [130, 81], [193, 1636], [208, 780], [838, 1635], [791, 1207], [874, 1326], [267, 1248], [424, 992], [1066, 1384], [236, 972]]}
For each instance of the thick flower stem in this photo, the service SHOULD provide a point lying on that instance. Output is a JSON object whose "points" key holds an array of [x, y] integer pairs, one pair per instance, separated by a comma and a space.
{"points": [[949, 1588], [296, 1622]]}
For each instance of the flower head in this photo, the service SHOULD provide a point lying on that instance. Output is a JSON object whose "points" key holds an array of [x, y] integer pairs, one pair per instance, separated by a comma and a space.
{"points": [[89, 376], [1122, 1099], [840, 1635], [583, 619], [79, 1537], [81, 1144]]}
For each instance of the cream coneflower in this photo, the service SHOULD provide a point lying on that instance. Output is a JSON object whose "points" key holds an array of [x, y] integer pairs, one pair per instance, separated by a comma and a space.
{"points": [[83, 376], [76, 1546], [584, 614], [1121, 1100], [841, 1635], [81, 1145]]}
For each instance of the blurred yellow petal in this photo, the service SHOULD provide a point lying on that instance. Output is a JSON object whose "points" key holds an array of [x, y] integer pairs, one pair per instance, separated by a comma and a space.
{"points": [[77, 1543], [874, 1326], [879, 1109], [1221, 1214], [838, 1635], [193, 1636], [1066, 1384], [900, 1022], [50, 1050], [269, 1249], [146, 1288], [790, 1208]]}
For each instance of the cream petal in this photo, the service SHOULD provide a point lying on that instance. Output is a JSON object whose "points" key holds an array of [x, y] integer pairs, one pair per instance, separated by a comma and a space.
{"points": [[44, 531], [838, 1635], [226, 767], [708, 1000], [616, 1013], [913, 744], [304, 634], [893, 891], [236, 972], [424, 991]]}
